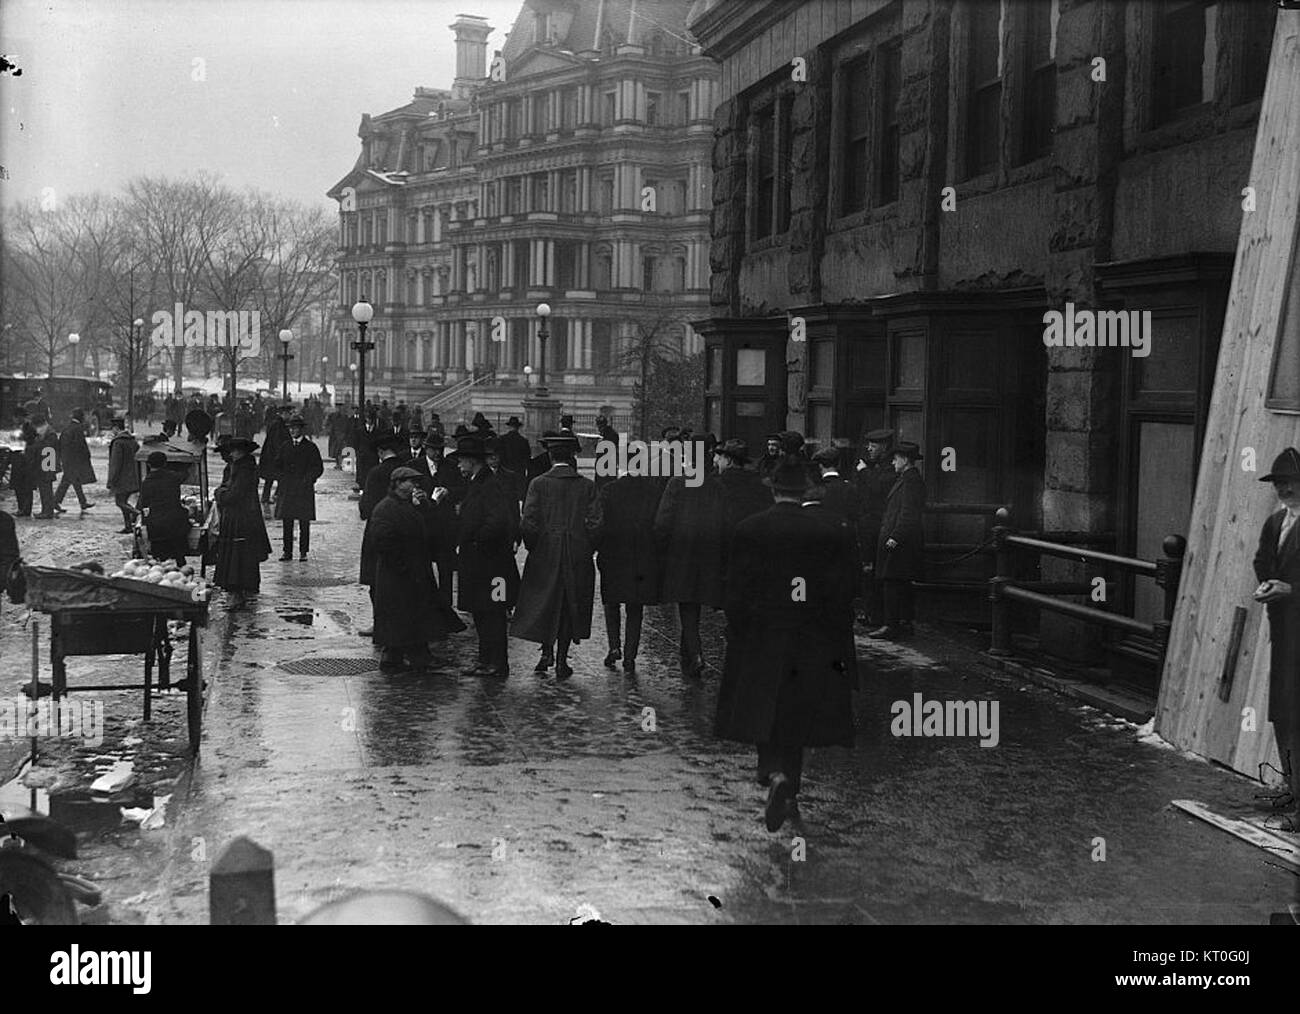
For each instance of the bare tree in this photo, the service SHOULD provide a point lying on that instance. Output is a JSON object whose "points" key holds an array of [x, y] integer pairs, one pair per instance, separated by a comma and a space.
{"points": [[41, 284], [667, 388]]}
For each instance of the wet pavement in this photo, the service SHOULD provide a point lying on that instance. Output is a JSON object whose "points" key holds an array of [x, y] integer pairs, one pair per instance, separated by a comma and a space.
{"points": [[530, 800]]}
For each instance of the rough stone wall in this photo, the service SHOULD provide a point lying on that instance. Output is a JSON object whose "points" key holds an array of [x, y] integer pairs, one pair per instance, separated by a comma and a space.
{"points": [[727, 224]]}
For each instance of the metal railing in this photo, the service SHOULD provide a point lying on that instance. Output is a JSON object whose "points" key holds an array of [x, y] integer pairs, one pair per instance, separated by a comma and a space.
{"points": [[450, 395], [1004, 589]]}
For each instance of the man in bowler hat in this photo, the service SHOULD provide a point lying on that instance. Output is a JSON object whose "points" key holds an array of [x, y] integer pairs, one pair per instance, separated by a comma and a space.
{"points": [[900, 547], [1277, 566], [874, 479]]}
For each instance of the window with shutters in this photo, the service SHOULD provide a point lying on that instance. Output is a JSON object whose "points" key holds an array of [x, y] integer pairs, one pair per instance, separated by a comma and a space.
{"points": [[1039, 99], [857, 135], [984, 92], [1185, 57], [890, 64]]}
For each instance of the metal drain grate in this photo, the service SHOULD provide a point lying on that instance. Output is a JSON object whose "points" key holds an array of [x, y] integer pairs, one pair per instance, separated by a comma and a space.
{"points": [[316, 582], [314, 666]]}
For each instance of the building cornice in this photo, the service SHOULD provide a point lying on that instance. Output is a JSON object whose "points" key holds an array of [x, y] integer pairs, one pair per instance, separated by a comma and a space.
{"points": [[731, 24]]}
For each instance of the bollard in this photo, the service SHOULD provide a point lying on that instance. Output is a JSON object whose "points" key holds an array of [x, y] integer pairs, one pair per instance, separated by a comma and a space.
{"points": [[241, 887], [1169, 572], [1001, 606]]}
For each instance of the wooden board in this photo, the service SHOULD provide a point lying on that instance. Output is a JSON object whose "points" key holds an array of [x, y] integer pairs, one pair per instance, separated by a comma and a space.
{"points": [[1230, 504], [1282, 847]]}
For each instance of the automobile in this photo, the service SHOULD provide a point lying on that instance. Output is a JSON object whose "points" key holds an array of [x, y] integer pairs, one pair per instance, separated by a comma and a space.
{"points": [[62, 394]]}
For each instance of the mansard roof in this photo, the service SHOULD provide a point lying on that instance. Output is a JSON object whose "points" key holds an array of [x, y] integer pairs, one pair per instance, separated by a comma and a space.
{"points": [[590, 22]]}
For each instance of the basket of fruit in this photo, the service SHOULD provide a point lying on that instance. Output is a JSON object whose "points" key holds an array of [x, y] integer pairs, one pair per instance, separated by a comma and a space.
{"points": [[141, 585]]}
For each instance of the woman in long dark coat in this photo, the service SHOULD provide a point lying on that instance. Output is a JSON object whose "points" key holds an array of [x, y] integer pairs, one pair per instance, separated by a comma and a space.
{"points": [[690, 528], [409, 613], [630, 568], [165, 517], [74, 455], [241, 545], [560, 523]]}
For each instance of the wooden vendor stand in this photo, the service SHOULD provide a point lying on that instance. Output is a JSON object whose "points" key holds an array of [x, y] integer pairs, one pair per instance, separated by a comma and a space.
{"points": [[94, 615]]}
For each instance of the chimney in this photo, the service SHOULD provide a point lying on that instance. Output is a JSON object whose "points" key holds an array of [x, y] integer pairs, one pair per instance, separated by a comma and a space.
{"points": [[471, 52]]}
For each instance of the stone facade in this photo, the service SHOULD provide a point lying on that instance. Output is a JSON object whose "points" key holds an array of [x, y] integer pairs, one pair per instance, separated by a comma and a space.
{"points": [[578, 177]]}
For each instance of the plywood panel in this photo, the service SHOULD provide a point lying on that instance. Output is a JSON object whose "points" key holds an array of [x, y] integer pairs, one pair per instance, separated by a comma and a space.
{"points": [[1230, 504]]}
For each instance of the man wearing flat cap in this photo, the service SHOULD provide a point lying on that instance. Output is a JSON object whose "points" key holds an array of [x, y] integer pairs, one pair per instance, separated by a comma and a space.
{"points": [[488, 585], [408, 611], [790, 669], [298, 465], [900, 547], [873, 481], [1277, 566]]}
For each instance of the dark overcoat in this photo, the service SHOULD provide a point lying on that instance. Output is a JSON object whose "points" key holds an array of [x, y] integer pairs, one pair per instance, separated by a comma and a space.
{"points": [[560, 525], [277, 435], [45, 456], [299, 466], [408, 610], [743, 494], [444, 526], [873, 484], [690, 527], [630, 568], [838, 495], [160, 495], [514, 485], [242, 544], [75, 455], [1283, 619], [515, 452], [486, 547], [789, 671], [123, 475], [376, 485], [902, 523]]}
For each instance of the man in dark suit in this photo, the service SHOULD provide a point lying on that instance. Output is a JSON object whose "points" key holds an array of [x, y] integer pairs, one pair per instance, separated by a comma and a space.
{"points": [[874, 479], [514, 449], [444, 526], [789, 673], [298, 465], [43, 462], [377, 485], [1277, 565], [837, 494], [900, 546]]}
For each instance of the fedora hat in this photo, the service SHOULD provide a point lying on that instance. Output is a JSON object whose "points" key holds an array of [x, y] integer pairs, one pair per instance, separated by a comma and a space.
{"points": [[434, 440], [296, 420], [908, 450], [789, 477], [736, 450], [560, 440], [240, 444], [513, 421], [1285, 466], [415, 431], [388, 442], [469, 446]]}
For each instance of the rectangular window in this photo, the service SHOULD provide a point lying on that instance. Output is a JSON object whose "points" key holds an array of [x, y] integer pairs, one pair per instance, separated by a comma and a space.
{"points": [[569, 109], [751, 367], [540, 105], [512, 196], [1040, 80], [1183, 77], [648, 274], [765, 181], [683, 107], [713, 375], [513, 111], [605, 194], [609, 106], [890, 60], [983, 122], [1256, 46], [857, 128], [652, 100]]}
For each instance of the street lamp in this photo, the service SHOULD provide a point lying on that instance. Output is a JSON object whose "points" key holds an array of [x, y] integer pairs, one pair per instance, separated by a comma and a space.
{"points": [[543, 311], [74, 339], [131, 346], [353, 396], [324, 362], [286, 336], [362, 313]]}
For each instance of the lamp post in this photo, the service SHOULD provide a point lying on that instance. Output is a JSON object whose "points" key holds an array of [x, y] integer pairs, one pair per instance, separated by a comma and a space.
{"points": [[74, 340], [132, 344], [543, 312], [362, 313], [352, 367], [286, 336]]}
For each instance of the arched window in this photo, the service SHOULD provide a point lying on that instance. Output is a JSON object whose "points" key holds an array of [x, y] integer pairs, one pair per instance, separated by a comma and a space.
{"points": [[381, 287]]}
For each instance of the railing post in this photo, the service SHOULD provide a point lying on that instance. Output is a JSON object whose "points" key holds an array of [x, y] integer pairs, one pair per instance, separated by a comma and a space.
{"points": [[1001, 606], [1169, 572]]}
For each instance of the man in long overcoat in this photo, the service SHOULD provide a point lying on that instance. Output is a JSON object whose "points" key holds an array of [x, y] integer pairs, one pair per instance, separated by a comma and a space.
{"points": [[441, 517], [1277, 566], [43, 462], [874, 479], [629, 562], [560, 526], [277, 435], [375, 482], [299, 466], [408, 611], [743, 491], [900, 547], [690, 527], [514, 448], [123, 474], [787, 683], [75, 456], [488, 586]]}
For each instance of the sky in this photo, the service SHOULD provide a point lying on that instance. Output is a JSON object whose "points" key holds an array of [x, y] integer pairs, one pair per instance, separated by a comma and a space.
{"points": [[110, 89]]}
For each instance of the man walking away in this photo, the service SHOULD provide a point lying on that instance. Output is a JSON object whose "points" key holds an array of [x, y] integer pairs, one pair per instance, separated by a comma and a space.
{"points": [[489, 580], [874, 479], [629, 562], [123, 475], [900, 548], [786, 682], [514, 448], [277, 435], [560, 525], [837, 494], [1277, 565], [299, 466], [77, 468]]}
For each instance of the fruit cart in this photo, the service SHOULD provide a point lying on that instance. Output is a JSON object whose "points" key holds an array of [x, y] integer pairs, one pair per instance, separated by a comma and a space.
{"points": [[192, 460], [95, 615]]}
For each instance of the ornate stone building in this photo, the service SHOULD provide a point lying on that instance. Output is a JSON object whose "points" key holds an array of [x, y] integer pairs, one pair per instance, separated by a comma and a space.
{"points": [[573, 171], [920, 181]]}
